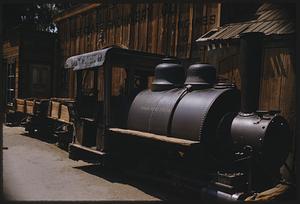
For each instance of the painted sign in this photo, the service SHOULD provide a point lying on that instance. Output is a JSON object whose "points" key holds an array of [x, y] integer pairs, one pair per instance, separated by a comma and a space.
{"points": [[87, 60]]}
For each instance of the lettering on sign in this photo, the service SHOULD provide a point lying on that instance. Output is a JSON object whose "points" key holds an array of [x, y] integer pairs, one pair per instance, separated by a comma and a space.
{"points": [[93, 59]]}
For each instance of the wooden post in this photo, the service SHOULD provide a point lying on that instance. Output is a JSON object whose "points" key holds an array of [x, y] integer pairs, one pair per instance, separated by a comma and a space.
{"points": [[78, 83], [107, 98]]}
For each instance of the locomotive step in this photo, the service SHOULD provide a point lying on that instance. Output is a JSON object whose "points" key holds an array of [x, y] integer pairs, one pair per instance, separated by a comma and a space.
{"points": [[79, 152]]}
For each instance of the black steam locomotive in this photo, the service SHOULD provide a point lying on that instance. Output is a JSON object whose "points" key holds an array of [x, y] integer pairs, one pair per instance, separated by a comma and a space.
{"points": [[189, 124], [244, 147]]}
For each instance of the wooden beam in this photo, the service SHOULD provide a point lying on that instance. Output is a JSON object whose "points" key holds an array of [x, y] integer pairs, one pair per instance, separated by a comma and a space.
{"points": [[75, 11], [152, 136]]}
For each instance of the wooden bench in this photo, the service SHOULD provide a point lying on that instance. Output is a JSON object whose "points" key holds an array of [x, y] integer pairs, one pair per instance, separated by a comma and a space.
{"points": [[20, 105], [59, 110]]}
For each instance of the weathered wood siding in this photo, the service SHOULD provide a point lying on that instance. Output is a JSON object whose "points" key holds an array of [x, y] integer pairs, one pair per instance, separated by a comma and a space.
{"points": [[31, 50], [164, 28], [278, 83]]}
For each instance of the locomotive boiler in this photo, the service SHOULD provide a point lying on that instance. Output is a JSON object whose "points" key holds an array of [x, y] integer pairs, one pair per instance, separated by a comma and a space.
{"points": [[189, 109], [245, 146]]}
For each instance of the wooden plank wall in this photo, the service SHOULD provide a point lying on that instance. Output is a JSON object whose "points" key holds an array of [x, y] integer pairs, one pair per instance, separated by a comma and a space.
{"points": [[226, 61], [164, 28], [278, 84]]}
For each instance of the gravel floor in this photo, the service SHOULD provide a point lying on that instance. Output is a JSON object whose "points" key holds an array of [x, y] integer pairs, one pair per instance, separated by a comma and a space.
{"points": [[37, 170]]}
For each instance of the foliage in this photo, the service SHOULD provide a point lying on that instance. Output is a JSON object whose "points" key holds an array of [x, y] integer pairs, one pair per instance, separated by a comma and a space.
{"points": [[37, 16]]}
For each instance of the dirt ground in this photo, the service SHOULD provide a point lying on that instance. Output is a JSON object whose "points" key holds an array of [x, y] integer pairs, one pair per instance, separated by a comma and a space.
{"points": [[34, 169]]}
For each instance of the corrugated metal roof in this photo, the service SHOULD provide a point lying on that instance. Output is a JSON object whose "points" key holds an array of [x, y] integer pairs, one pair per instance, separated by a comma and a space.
{"points": [[271, 19]]}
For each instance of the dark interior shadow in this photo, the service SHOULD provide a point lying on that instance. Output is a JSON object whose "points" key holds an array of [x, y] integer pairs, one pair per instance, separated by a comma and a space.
{"points": [[148, 185]]}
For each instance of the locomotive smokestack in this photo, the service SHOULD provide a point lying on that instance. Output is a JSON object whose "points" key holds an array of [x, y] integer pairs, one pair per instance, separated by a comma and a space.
{"points": [[250, 63]]}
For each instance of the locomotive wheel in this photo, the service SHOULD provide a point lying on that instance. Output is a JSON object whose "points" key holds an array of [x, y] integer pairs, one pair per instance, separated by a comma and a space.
{"points": [[31, 131]]}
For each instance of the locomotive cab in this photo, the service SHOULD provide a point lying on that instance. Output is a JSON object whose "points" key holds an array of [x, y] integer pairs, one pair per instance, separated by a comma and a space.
{"points": [[101, 104]]}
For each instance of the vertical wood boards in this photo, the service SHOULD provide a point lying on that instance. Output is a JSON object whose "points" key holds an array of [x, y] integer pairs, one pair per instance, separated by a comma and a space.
{"points": [[143, 28], [154, 27], [82, 34], [176, 30], [172, 27], [72, 35], [236, 71], [87, 32], [197, 30], [278, 83], [135, 28], [67, 37], [126, 25], [163, 28], [94, 31], [111, 25], [149, 27], [118, 24], [226, 61], [190, 30], [288, 88], [101, 27], [184, 27], [270, 81], [77, 30], [168, 28]]}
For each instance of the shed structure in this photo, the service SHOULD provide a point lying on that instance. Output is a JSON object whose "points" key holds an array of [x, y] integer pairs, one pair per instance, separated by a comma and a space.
{"points": [[29, 62], [278, 81]]}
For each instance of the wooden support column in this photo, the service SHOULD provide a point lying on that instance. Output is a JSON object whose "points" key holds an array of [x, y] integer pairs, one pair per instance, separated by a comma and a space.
{"points": [[107, 101], [78, 83]]}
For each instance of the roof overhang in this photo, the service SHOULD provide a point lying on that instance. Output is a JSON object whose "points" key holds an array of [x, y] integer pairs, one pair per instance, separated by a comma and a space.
{"points": [[118, 57], [76, 10]]}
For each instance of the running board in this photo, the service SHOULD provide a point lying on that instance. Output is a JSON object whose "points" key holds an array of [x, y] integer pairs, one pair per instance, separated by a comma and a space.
{"points": [[151, 136]]}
